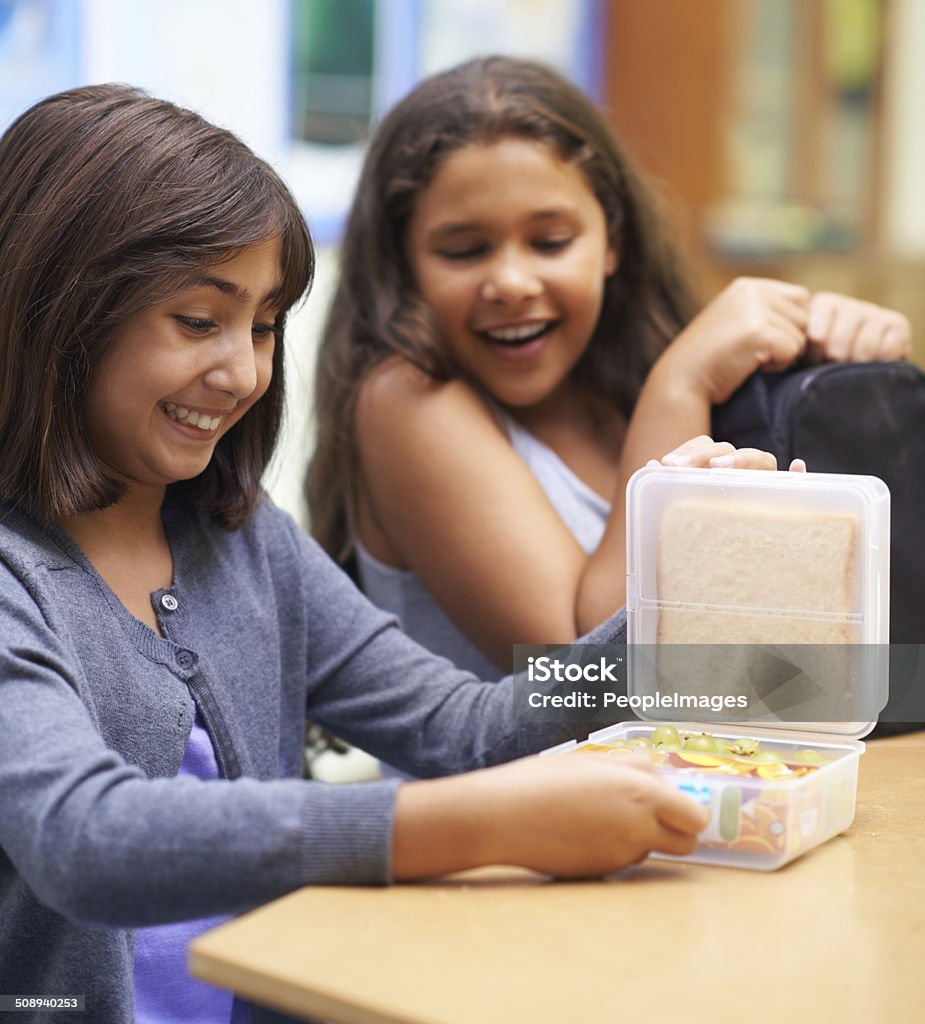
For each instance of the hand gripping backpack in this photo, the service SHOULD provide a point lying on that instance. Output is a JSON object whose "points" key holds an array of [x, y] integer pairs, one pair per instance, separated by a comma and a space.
{"points": [[864, 418]]}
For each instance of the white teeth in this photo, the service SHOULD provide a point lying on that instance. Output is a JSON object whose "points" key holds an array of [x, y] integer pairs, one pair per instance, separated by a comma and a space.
{"points": [[512, 334], [192, 418]]}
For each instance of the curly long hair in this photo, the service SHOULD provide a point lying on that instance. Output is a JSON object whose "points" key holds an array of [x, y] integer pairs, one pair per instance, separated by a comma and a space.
{"points": [[377, 309]]}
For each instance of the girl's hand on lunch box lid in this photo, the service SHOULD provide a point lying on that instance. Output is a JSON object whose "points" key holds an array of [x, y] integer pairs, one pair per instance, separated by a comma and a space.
{"points": [[705, 453]]}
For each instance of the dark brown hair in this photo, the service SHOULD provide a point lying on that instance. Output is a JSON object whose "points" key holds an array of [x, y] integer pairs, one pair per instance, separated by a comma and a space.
{"points": [[377, 310], [110, 202]]}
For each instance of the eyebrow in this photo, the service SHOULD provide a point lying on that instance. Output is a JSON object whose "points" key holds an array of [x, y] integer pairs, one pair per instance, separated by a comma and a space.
{"points": [[452, 228], [236, 291]]}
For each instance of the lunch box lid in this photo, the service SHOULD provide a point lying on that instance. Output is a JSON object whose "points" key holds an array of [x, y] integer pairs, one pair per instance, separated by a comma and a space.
{"points": [[770, 588]]}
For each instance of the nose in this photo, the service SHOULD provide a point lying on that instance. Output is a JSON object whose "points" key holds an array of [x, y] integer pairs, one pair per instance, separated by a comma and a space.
{"points": [[234, 365], [511, 279]]}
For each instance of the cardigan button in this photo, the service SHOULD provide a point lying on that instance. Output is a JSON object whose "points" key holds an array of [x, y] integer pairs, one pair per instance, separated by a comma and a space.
{"points": [[169, 602], [186, 659]]}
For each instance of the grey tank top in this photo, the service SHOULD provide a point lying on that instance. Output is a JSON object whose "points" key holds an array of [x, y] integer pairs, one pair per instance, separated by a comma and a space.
{"points": [[582, 510]]}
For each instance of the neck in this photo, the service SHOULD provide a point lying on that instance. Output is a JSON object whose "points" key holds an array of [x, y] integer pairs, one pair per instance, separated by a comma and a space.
{"points": [[127, 545], [132, 523], [564, 405]]}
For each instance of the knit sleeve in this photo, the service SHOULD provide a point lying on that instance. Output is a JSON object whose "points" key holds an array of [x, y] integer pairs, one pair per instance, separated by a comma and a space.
{"points": [[378, 689], [98, 841]]}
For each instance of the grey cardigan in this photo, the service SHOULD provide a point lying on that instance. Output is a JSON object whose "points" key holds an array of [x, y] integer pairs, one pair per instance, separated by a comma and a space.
{"points": [[98, 835]]}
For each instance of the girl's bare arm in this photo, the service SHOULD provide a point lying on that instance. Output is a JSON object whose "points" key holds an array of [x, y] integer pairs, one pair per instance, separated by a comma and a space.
{"points": [[568, 816], [444, 494]]}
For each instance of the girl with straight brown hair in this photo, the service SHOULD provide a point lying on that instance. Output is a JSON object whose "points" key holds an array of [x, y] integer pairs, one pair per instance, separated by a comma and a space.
{"points": [[164, 630]]}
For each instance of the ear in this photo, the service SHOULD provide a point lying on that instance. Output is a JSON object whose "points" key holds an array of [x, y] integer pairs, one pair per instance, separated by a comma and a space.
{"points": [[611, 262], [611, 258]]}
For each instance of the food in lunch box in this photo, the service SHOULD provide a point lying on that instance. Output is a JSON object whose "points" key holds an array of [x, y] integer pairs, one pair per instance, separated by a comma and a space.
{"points": [[719, 555], [744, 756]]}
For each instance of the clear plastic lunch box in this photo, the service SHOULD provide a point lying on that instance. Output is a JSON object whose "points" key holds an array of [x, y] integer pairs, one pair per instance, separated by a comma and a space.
{"points": [[735, 578]]}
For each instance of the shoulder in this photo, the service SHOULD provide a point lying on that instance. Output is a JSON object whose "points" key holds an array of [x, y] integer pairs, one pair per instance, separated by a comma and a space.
{"points": [[293, 554], [273, 534], [26, 545], [398, 400], [270, 562], [42, 586]]}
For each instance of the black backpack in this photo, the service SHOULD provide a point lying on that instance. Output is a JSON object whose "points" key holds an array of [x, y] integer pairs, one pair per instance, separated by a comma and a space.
{"points": [[864, 418]]}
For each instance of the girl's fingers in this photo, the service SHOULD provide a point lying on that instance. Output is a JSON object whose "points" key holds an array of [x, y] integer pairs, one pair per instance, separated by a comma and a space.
{"points": [[897, 338], [745, 458], [822, 309], [697, 452], [797, 294], [841, 328], [703, 451], [843, 334], [794, 311], [680, 814], [869, 341], [785, 343]]}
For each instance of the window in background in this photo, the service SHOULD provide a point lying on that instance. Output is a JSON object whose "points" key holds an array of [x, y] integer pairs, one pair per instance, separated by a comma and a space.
{"points": [[801, 136], [332, 75]]}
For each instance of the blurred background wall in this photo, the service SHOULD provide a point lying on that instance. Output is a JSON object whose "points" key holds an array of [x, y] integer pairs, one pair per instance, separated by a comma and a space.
{"points": [[785, 135]]}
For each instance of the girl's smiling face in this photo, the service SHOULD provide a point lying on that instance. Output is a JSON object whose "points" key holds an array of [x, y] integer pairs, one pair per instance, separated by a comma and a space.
{"points": [[509, 248], [178, 375]]}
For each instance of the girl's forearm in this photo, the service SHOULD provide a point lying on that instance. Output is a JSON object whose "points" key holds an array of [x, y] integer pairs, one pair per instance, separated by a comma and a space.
{"points": [[670, 410], [565, 816], [440, 826]]}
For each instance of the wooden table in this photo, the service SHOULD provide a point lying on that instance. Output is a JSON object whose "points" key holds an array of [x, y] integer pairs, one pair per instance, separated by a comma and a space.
{"points": [[838, 935]]}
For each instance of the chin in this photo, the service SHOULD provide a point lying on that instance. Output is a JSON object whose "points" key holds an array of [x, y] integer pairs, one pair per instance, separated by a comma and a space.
{"points": [[177, 474], [519, 397]]}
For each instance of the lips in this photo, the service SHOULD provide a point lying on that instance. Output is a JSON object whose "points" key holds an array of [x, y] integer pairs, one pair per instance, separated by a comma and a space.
{"points": [[199, 419], [517, 335]]}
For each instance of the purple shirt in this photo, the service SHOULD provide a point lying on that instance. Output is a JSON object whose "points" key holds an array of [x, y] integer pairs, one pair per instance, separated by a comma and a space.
{"points": [[164, 991]]}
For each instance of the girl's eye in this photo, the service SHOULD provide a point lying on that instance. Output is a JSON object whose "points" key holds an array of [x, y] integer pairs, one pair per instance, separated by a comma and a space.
{"points": [[553, 244], [266, 331], [469, 252], [195, 323]]}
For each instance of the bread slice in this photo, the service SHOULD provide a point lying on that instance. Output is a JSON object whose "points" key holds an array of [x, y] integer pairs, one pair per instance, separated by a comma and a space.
{"points": [[731, 572]]}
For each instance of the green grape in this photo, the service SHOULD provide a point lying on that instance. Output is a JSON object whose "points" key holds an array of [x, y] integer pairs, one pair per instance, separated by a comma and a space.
{"points": [[703, 742], [729, 809], [808, 757], [663, 735], [744, 746], [638, 741]]}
